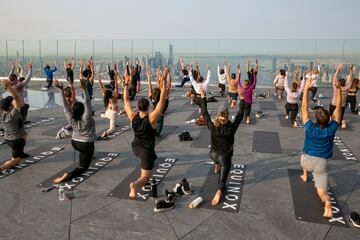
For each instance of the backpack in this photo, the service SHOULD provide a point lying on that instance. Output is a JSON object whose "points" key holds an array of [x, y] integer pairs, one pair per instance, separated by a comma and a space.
{"points": [[185, 136]]}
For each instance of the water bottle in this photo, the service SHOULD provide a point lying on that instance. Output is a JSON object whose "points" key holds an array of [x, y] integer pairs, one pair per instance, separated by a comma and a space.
{"points": [[61, 193], [196, 202], [153, 187]]}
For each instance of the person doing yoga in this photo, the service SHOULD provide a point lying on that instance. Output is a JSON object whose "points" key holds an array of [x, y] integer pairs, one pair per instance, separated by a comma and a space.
{"points": [[246, 92], [222, 141], [318, 144], [111, 103], [233, 87], [144, 124], [14, 131], [69, 69], [292, 98], [79, 116]]}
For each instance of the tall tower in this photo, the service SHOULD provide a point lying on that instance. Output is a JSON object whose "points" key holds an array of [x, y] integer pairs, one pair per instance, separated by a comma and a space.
{"points": [[274, 65], [171, 56]]}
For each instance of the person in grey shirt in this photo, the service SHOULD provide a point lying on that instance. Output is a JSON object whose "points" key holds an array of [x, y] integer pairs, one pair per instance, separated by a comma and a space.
{"points": [[14, 126], [79, 116]]}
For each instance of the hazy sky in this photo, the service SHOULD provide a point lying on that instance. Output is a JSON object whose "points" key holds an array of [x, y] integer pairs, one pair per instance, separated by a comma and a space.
{"points": [[170, 19]]}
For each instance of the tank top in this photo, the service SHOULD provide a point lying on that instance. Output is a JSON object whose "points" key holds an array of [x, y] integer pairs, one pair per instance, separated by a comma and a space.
{"points": [[353, 91], [144, 133], [70, 74]]}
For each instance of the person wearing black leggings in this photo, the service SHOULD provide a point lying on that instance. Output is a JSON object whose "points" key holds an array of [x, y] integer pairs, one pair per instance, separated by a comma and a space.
{"points": [[79, 116], [222, 141], [351, 98]]}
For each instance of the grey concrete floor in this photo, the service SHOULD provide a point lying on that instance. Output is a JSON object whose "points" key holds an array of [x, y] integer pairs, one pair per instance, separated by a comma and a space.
{"points": [[266, 210]]}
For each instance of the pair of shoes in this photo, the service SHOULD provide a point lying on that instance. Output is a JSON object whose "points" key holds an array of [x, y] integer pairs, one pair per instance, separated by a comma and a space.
{"points": [[355, 219], [183, 187], [165, 204]]}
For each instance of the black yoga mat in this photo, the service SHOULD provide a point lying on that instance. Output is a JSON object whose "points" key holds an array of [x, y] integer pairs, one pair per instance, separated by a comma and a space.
{"points": [[161, 168], [341, 151], [38, 122], [266, 142], [267, 106], [307, 204], [202, 140], [35, 156], [231, 198], [101, 160]]}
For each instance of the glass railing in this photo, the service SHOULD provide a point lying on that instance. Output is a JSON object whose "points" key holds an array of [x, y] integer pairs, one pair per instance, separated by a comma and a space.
{"points": [[272, 54]]}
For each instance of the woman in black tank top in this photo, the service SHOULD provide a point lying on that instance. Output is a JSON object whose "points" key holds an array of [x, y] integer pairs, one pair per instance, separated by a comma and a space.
{"points": [[351, 98], [144, 125], [69, 68]]}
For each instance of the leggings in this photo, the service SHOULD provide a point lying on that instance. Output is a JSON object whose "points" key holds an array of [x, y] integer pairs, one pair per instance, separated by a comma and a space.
{"points": [[247, 108], [86, 150], [132, 92], [222, 87], [112, 116], [352, 101], [17, 147], [279, 88], [293, 108], [49, 82], [313, 92], [183, 81], [225, 163], [24, 111], [332, 109]]}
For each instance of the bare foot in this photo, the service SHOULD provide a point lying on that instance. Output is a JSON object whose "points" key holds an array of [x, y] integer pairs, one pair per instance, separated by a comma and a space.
{"points": [[216, 198], [248, 121], [217, 168], [62, 178], [304, 178], [343, 125], [132, 193], [327, 210]]}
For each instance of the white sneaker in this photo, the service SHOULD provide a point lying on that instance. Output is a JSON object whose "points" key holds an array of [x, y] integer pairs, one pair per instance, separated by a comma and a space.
{"points": [[287, 117]]}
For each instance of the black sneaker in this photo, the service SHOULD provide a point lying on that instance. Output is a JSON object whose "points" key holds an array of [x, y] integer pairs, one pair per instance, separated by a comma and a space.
{"points": [[355, 219], [24, 155], [178, 190], [186, 187], [27, 122], [167, 204]]}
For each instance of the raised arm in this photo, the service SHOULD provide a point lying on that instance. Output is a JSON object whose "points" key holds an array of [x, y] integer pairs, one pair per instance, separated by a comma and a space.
{"points": [[208, 77], [116, 84], [335, 78], [155, 114], [73, 93], [102, 89], [182, 65], [127, 105], [149, 77], [73, 64], [305, 102], [168, 86], [252, 86], [204, 111], [337, 112], [12, 92], [87, 100], [66, 105], [286, 83], [28, 77], [296, 74], [228, 73], [12, 70], [81, 69], [349, 76], [239, 77], [65, 64], [257, 65], [239, 116], [92, 71]]}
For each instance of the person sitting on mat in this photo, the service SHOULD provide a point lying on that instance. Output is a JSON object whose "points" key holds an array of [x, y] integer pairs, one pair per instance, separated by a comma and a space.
{"points": [[222, 141], [144, 124], [14, 131], [111, 103], [233, 87], [154, 96], [318, 144], [79, 116]]}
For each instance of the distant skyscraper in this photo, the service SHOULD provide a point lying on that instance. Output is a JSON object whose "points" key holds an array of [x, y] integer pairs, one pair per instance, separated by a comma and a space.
{"points": [[158, 59], [311, 65], [171, 55]]}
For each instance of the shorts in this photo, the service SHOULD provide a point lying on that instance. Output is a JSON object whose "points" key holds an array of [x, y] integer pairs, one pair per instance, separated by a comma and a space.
{"points": [[318, 167], [17, 147], [233, 96], [147, 156]]}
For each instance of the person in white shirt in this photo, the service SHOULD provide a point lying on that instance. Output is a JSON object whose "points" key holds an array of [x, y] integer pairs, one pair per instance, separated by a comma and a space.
{"points": [[314, 75], [279, 83], [222, 79]]}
